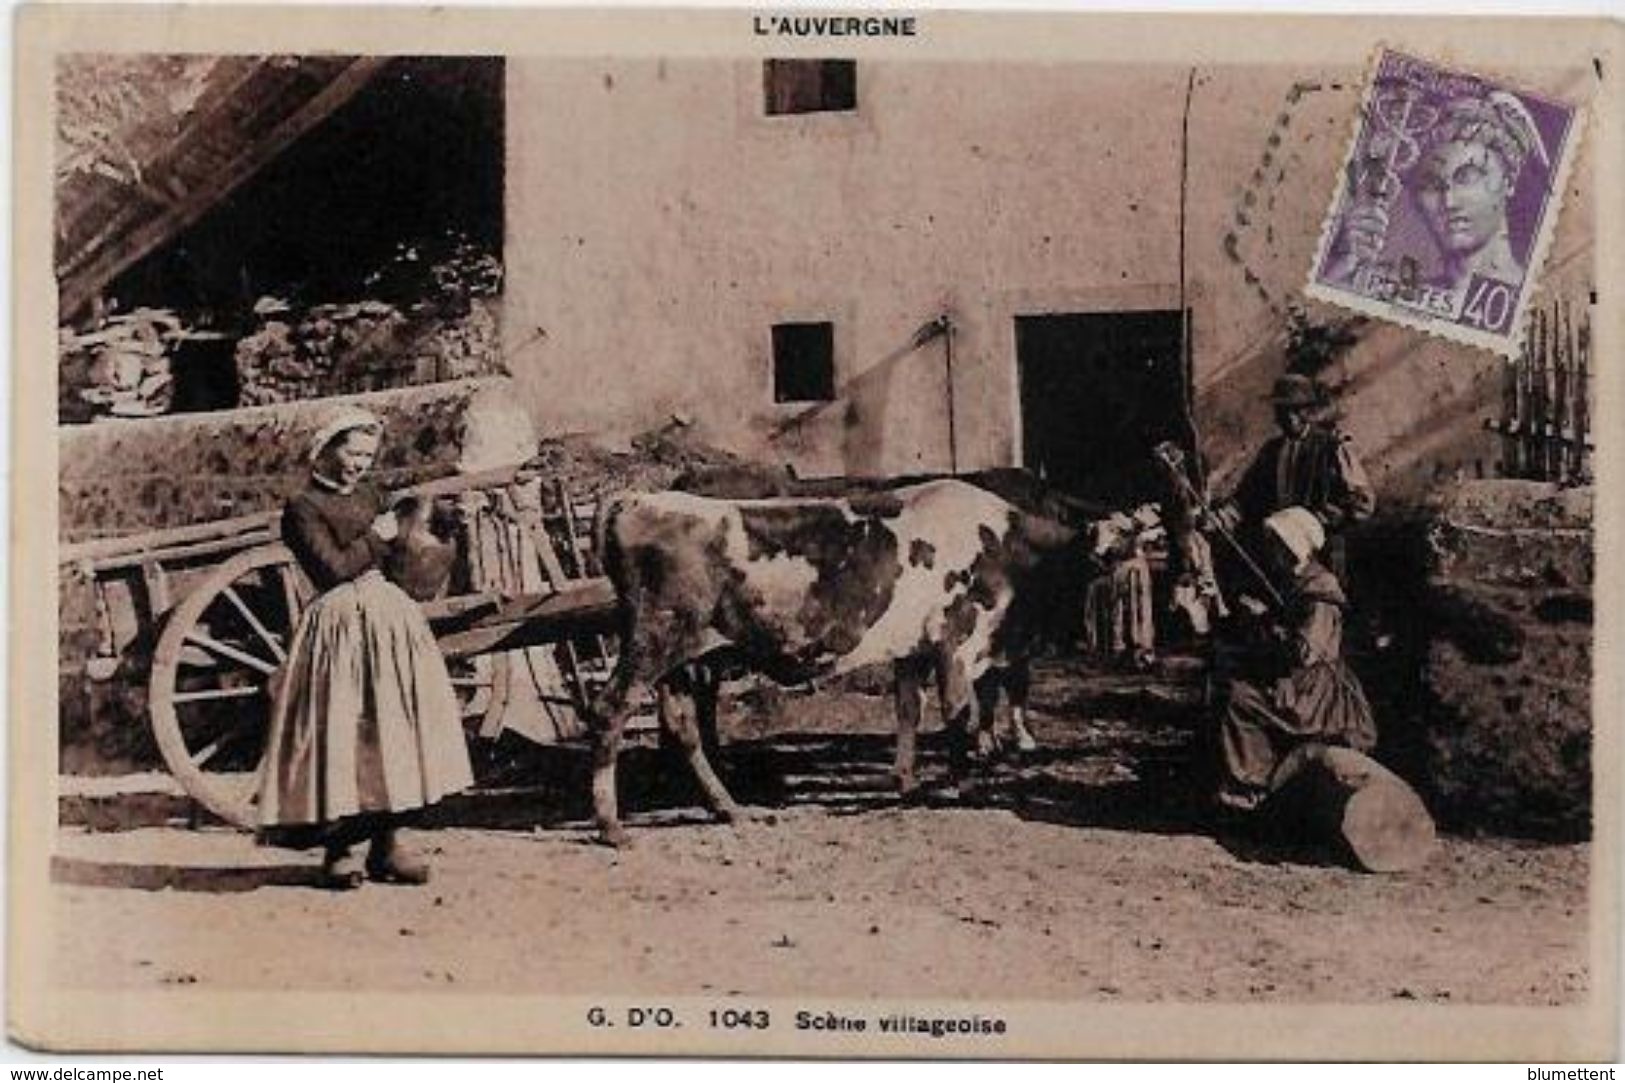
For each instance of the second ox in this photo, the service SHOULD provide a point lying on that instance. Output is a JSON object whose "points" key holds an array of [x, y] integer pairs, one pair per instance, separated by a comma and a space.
{"points": [[928, 577]]}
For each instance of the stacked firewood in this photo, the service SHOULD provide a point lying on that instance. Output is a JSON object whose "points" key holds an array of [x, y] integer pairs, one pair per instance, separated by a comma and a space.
{"points": [[327, 350], [120, 366], [428, 318], [446, 288], [461, 347]]}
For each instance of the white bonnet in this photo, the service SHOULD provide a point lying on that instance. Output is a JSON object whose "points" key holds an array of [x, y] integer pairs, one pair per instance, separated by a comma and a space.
{"points": [[345, 420], [1299, 530]]}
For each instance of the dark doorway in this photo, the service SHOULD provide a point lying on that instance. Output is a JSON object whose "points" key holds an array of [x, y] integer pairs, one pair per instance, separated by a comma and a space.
{"points": [[1099, 390]]}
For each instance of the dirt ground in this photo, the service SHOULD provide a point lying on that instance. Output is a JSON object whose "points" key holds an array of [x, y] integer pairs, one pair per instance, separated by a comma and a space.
{"points": [[1086, 871]]}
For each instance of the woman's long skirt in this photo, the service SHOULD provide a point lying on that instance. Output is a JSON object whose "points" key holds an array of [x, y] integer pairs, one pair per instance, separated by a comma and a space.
{"points": [[363, 717], [1261, 726]]}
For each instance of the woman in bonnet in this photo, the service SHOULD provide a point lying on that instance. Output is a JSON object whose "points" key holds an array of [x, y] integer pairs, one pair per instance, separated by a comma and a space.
{"points": [[365, 727], [1298, 690]]}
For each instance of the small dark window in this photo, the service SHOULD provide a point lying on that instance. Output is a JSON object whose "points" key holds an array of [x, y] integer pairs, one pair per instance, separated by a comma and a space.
{"points": [[810, 86], [803, 362]]}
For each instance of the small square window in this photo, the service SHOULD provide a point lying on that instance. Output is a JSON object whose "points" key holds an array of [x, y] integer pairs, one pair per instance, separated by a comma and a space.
{"points": [[810, 86], [803, 362]]}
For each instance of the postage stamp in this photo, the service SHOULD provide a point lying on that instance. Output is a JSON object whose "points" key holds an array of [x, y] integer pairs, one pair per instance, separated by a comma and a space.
{"points": [[1446, 202]]}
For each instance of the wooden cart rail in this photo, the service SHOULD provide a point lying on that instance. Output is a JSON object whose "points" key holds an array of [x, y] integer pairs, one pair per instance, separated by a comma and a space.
{"points": [[240, 532]]}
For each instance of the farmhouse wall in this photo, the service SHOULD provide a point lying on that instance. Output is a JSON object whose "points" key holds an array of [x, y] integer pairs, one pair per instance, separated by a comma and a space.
{"points": [[659, 224]]}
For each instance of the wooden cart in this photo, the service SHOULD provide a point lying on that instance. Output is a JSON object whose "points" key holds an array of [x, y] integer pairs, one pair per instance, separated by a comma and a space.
{"points": [[224, 597]]}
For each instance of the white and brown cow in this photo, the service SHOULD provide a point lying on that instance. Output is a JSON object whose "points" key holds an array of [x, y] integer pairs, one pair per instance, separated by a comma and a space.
{"points": [[922, 576]]}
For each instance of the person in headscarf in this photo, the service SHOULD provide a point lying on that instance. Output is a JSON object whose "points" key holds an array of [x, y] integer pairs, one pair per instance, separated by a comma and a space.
{"points": [[1296, 688], [365, 727], [1310, 463]]}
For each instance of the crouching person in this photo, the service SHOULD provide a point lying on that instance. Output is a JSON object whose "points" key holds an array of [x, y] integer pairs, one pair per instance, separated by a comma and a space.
{"points": [[1295, 691]]}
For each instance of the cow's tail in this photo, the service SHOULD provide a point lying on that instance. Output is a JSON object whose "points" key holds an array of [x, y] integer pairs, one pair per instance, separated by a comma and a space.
{"points": [[611, 700]]}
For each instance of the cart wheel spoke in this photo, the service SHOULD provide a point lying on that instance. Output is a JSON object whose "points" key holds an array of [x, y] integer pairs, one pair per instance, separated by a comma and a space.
{"points": [[226, 650], [202, 758], [255, 623], [206, 695]]}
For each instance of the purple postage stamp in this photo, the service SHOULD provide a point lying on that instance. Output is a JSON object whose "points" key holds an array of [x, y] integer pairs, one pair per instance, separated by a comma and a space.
{"points": [[1445, 203]]}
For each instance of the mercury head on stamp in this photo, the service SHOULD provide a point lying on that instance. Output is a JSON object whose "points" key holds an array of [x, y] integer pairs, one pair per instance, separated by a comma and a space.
{"points": [[1476, 152]]}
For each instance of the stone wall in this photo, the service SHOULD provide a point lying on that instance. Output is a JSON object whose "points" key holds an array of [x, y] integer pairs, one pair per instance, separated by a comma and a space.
{"points": [[1507, 674], [118, 478]]}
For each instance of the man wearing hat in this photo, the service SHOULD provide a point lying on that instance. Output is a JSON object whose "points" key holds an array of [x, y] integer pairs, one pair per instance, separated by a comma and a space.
{"points": [[1310, 464]]}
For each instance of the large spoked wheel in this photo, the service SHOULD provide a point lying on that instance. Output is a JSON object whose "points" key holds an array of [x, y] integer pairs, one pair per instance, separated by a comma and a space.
{"points": [[216, 665], [213, 671]]}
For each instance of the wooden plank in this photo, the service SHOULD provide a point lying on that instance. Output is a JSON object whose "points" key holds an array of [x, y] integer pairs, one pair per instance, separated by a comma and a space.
{"points": [[461, 606], [1537, 398], [1582, 415], [145, 558], [1560, 400], [580, 608], [532, 528], [1509, 416], [156, 583], [133, 545], [1525, 363]]}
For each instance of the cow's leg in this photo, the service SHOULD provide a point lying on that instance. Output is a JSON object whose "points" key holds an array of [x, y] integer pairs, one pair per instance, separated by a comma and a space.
{"points": [[1018, 681], [707, 686], [909, 691], [959, 713], [989, 745], [608, 719], [606, 753], [675, 698], [684, 723]]}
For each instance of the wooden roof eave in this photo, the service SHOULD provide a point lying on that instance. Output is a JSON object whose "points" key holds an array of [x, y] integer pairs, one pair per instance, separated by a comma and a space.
{"points": [[143, 225]]}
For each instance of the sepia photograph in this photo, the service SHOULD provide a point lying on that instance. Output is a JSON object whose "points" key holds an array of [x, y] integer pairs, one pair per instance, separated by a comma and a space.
{"points": [[725, 533]]}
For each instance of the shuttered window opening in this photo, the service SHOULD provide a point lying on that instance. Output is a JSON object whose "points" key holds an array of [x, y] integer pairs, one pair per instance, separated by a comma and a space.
{"points": [[810, 86], [803, 362]]}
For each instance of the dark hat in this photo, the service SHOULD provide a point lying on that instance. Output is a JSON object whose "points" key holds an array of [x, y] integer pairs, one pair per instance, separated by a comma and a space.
{"points": [[1295, 390]]}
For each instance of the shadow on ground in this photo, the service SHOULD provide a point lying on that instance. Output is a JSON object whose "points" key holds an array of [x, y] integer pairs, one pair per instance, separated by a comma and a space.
{"points": [[1115, 751]]}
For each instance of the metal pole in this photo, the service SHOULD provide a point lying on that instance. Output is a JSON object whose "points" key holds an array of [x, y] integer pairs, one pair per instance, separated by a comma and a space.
{"points": [[948, 357], [1186, 359]]}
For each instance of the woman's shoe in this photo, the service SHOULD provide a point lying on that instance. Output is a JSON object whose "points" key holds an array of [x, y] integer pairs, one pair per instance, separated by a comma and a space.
{"points": [[340, 871], [388, 862]]}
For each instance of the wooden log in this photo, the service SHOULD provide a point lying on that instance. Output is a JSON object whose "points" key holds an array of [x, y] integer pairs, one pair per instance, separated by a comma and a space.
{"points": [[1345, 798]]}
